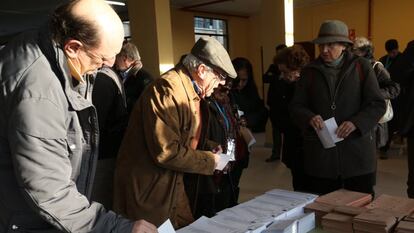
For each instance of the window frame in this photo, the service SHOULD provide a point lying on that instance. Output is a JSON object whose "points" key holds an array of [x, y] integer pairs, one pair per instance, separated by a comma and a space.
{"points": [[225, 34]]}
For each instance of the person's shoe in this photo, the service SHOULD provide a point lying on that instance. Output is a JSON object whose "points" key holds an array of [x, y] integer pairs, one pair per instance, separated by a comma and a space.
{"points": [[272, 159]]}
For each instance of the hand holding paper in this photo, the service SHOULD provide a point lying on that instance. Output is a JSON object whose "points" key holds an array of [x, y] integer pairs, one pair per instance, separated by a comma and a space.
{"points": [[345, 129], [327, 134]]}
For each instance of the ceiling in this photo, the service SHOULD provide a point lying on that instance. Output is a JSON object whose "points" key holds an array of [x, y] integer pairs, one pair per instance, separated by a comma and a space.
{"points": [[19, 15]]}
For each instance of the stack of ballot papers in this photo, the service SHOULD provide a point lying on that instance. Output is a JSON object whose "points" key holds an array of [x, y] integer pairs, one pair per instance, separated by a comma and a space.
{"points": [[410, 217], [343, 197], [404, 227], [375, 221], [340, 219], [402, 205], [326, 203], [258, 214], [299, 224], [319, 209]]}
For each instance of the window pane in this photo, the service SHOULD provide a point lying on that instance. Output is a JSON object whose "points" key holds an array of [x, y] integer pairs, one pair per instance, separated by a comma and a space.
{"points": [[216, 28]]}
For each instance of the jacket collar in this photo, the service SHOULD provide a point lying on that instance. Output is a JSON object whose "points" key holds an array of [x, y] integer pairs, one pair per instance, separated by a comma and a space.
{"points": [[187, 81], [349, 60], [59, 65]]}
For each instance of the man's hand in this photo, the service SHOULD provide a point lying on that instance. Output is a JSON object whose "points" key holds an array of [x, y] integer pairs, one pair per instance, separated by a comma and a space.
{"points": [[316, 122], [142, 226], [345, 129], [217, 151]]}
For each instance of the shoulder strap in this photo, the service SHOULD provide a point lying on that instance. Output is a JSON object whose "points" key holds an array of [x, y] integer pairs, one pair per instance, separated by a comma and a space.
{"points": [[360, 73], [375, 64]]}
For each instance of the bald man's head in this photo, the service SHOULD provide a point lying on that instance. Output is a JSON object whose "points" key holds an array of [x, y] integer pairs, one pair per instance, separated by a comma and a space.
{"points": [[90, 33], [92, 22]]}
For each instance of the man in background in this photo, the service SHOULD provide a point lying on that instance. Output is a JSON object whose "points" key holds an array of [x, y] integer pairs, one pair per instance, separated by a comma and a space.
{"points": [[272, 76], [135, 78]]}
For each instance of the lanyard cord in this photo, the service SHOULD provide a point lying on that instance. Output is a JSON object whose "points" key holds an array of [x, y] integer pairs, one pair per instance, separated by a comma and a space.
{"points": [[223, 114]]}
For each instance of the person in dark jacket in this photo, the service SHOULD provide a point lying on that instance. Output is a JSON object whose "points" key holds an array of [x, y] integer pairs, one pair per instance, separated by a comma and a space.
{"points": [[135, 78], [342, 86], [389, 89], [245, 95], [393, 52], [209, 194], [48, 125], [403, 71], [290, 61], [272, 76], [388, 60], [108, 97]]}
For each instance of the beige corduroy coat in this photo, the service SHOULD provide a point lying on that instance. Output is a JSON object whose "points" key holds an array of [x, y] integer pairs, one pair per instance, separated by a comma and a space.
{"points": [[156, 152]]}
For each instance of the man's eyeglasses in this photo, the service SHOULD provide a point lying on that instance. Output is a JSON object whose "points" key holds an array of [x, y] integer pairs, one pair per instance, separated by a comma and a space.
{"points": [[97, 56], [221, 76]]}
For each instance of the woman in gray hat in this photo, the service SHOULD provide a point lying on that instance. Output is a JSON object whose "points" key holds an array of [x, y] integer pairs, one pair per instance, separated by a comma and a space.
{"points": [[342, 86]]}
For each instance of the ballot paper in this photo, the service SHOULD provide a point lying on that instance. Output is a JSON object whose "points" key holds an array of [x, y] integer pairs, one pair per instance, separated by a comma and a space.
{"points": [[327, 134], [248, 137], [166, 227], [207, 225], [224, 160], [300, 224], [283, 226]]}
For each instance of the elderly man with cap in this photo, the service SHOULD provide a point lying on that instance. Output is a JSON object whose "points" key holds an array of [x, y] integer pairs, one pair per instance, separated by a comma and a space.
{"points": [[342, 86], [166, 128]]}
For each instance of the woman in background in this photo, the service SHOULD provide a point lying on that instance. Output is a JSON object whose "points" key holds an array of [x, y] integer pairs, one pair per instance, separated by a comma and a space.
{"points": [[245, 95], [290, 62], [389, 89]]}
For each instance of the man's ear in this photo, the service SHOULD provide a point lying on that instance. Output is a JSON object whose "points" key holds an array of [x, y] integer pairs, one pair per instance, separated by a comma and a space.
{"points": [[202, 71], [72, 48]]}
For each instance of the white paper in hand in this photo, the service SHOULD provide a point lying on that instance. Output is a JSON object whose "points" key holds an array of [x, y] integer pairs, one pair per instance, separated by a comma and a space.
{"points": [[166, 227], [327, 134], [224, 160]]}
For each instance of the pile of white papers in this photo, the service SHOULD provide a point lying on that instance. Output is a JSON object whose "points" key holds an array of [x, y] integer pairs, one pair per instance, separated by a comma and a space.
{"points": [[273, 208]]}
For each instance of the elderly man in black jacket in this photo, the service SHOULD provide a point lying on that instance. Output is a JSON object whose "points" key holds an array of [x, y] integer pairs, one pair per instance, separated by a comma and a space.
{"points": [[338, 84], [135, 78]]}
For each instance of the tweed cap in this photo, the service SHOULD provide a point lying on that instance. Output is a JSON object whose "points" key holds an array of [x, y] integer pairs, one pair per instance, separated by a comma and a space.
{"points": [[213, 54], [333, 31]]}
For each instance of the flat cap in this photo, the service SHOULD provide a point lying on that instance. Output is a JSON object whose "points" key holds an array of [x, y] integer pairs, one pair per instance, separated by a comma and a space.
{"points": [[213, 54]]}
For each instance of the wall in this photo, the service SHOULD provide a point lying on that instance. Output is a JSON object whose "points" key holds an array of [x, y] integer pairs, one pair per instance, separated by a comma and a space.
{"points": [[267, 30], [389, 19], [308, 18], [183, 33], [392, 19]]}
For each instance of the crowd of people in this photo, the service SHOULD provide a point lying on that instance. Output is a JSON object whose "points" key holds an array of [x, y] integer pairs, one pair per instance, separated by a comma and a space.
{"points": [[91, 142]]}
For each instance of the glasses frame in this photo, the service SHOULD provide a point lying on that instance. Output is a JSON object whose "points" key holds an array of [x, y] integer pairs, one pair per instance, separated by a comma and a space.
{"points": [[221, 76], [96, 55]]}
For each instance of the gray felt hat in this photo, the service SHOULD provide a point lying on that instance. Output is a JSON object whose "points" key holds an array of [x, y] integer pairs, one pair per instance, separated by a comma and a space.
{"points": [[211, 52], [333, 31]]}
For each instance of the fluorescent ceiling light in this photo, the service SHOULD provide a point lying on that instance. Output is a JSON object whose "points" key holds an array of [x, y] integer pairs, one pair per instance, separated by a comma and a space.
{"points": [[115, 3]]}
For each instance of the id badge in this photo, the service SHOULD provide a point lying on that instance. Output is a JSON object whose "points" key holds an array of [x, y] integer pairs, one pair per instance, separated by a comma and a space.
{"points": [[231, 148]]}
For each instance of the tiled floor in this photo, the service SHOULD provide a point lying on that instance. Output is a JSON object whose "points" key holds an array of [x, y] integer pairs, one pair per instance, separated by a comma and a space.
{"points": [[260, 176]]}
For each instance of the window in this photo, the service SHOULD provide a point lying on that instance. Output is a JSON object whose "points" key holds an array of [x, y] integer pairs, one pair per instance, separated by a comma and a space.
{"points": [[216, 28]]}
